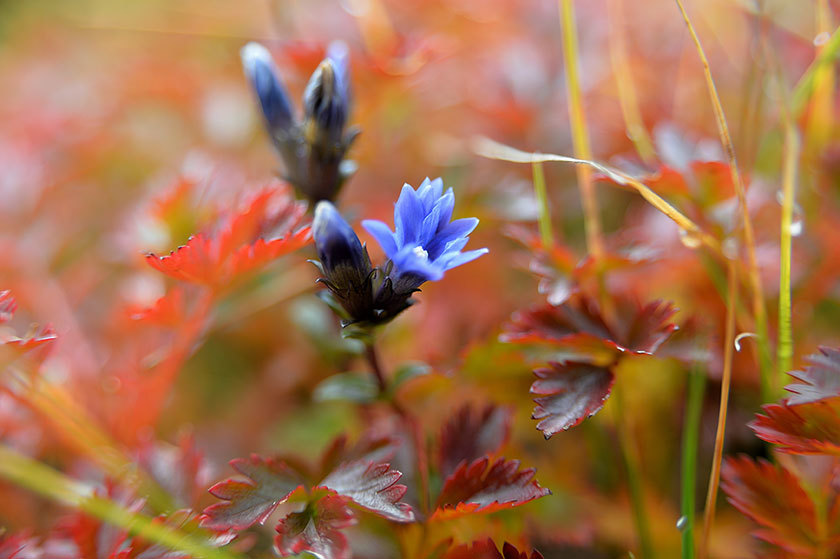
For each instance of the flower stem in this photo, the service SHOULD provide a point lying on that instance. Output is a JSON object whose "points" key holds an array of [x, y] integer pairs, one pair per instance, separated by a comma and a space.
{"points": [[757, 291], [375, 366], [627, 97], [634, 477], [580, 135], [690, 438], [728, 349], [546, 234], [784, 351]]}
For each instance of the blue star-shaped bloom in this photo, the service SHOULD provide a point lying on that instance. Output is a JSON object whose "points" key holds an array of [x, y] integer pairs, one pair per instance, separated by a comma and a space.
{"points": [[426, 242]]}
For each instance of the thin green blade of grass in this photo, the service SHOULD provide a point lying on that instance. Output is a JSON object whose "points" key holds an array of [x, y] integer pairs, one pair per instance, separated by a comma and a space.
{"points": [[690, 442], [40, 478]]}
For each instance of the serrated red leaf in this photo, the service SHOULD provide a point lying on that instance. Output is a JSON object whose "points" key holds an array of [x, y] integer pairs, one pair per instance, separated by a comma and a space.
{"points": [[577, 326], [14, 345], [569, 393], [373, 487], [168, 311], [486, 549], [773, 497], [240, 246], [317, 529], [270, 482], [470, 434], [480, 487], [812, 428], [808, 421]]}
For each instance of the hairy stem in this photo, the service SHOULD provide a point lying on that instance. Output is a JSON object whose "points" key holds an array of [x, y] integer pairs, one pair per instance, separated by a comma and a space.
{"points": [[757, 291], [728, 350]]}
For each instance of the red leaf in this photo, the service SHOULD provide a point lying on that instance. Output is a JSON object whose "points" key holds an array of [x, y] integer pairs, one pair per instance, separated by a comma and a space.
{"points": [[577, 325], [486, 549], [8, 306], [470, 434], [270, 482], [240, 246], [317, 529], [569, 393], [373, 487], [808, 422], [18, 546], [773, 497], [804, 429], [169, 311], [482, 487]]}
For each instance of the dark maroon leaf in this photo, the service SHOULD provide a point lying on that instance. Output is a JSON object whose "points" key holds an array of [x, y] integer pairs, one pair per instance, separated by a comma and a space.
{"points": [[470, 434], [373, 487], [578, 326], [317, 529], [569, 393], [270, 482], [482, 487]]}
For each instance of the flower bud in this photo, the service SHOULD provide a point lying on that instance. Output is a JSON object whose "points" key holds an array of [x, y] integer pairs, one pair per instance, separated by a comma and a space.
{"points": [[261, 71]]}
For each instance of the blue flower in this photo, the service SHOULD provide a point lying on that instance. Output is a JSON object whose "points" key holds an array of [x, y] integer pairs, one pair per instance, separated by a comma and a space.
{"points": [[426, 242], [336, 242]]}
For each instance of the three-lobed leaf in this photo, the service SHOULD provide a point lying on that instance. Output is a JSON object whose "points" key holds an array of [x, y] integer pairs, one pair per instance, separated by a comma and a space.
{"points": [[482, 487], [246, 502], [317, 529]]}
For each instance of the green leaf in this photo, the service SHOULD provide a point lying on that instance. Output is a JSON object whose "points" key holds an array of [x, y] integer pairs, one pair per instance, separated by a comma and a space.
{"points": [[359, 388], [407, 372]]}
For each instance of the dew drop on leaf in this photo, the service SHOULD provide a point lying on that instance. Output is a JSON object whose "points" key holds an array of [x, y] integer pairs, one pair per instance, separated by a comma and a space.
{"points": [[682, 523]]}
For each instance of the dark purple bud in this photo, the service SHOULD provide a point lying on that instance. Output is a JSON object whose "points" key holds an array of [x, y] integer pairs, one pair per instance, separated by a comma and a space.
{"points": [[326, 100], [336, 242], [262, 73]]}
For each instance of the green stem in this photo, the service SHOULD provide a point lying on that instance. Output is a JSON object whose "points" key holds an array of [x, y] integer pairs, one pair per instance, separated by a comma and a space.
{"points": [[784, 352], [42, 479], [691, 436], [546, 233], [634, 477]]}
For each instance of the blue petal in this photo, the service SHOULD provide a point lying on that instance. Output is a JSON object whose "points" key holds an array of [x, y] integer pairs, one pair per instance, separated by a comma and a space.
{"points": [[456, 259], [446, 204], [430, 225], [408, 216], [382, 234], [429, 192], [454, 230], [406, 261]]}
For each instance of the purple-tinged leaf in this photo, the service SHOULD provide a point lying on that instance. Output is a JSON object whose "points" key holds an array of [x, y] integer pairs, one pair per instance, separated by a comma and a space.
{"points": [[569, 393], [373, 487], [470, 434]]}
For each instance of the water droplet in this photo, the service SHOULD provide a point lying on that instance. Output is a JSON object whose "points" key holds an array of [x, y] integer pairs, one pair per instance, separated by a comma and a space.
{"points": [[796, 228], [682, 523], [821, 38], [741, 336], [690, 239], [730, 249]]}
